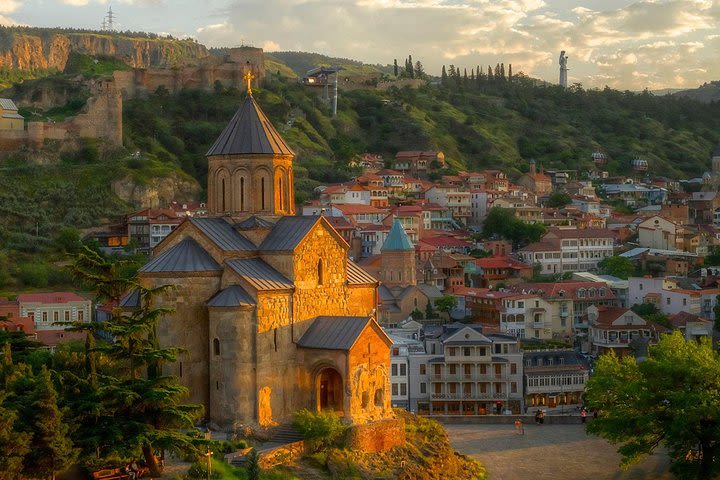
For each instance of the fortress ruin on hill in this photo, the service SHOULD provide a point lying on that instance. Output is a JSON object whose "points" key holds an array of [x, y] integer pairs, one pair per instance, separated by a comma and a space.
{"points": [[101, 117]]}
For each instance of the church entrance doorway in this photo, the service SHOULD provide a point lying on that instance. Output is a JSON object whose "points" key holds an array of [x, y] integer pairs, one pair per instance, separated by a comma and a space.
{"points": [[330, 390]]}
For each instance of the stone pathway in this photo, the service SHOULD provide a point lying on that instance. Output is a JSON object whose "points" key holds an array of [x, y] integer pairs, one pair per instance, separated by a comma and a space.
{"points": [[549, 452]]}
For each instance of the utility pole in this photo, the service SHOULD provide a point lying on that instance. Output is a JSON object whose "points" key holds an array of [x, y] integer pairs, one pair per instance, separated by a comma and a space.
{"points": [[110, 19]]}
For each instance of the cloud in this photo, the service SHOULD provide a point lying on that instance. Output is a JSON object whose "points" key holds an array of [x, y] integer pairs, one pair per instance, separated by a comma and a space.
{"points": [[9, 6]]}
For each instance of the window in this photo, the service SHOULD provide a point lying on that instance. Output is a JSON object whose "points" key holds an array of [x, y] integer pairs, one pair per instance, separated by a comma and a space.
{"points": [[403, 370], [44, 316], [56, 316], [67, 315], [181, 370], [394, 389], [422, 369], [684, 302], [667, 300], [403, 389], [320, 272], [423, 388], [513, 387], [81, 316], [394, 370], [513, 369], [216, 346], [466, 351]]}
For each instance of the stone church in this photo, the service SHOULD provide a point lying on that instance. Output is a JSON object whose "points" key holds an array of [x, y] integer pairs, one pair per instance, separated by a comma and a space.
{"points": [[272, 315]]}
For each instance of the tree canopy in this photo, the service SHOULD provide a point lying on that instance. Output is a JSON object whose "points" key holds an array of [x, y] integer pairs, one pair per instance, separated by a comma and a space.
{"points": [[671, 399], [503, 222], [617, 266]]}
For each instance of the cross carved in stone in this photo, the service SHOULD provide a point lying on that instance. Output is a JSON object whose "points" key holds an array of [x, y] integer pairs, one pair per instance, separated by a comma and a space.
{"points": [[248, 79]]}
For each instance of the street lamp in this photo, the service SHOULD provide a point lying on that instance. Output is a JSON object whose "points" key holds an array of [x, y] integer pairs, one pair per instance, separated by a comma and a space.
{"points": [[209, 460]]}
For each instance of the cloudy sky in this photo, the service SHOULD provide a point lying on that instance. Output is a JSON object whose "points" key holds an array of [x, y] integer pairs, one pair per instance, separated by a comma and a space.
{"points": [[621, 43]]}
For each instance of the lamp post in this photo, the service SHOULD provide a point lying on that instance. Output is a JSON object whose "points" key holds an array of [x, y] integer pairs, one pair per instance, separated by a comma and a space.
{"points": [[209, 460]]}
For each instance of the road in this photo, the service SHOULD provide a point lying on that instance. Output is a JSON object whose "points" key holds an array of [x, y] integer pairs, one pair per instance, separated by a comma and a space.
{"points": [[549, 452]]}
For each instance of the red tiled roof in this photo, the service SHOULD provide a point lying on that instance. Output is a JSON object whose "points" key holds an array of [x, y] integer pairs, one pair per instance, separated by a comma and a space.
{"points": [[500, 262], [50, 297], [581, 233], [355, 208]]}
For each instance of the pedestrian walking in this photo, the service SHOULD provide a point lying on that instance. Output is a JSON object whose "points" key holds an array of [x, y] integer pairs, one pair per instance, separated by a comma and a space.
{"points": [[537, 417], [583, 415], [542, 417], [519, 427]]}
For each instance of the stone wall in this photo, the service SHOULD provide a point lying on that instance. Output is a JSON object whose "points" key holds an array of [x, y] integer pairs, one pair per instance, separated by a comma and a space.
{"points": [[281, 455], [379, 436], [368, 379], [228, 71]]}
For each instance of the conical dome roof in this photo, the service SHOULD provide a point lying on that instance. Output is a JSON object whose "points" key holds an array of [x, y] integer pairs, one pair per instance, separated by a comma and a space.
{"points": [[397, 239], [249, 132]]}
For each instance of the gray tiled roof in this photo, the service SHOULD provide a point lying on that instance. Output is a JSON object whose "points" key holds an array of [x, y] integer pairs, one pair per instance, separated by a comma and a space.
{"points": [[249, 131], [232, 296], [333, 333], [186, 256], [259, 274], [130, 299], [358, 276], [253, 222], [288, 233], [385, 293], [222, 234]]}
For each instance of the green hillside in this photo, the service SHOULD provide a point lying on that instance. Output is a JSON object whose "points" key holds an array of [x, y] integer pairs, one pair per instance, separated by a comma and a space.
{"points": [[477, 125], [301, 62]]}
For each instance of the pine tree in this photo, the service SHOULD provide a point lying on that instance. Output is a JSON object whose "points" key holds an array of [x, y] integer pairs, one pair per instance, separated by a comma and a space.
{"points": [[443, 76], [465, 77], [490, 74], [496, 73], [14, 445], [395, 68], [451, 71], [429, 313], [52, 450], [502, 71], [411, 72], [509, 77]]}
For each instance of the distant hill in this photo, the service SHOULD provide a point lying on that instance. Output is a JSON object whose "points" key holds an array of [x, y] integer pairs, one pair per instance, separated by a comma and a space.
{"points": [[706, 93], [301, 62]]}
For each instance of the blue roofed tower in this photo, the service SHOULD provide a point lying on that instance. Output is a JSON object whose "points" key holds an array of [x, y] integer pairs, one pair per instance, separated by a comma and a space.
{"points": [[250, 166], [398, 258]]}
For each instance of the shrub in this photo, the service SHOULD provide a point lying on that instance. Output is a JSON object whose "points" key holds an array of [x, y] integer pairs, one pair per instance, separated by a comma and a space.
{"points": [[321, 430], [200, 471], [34, 275]]}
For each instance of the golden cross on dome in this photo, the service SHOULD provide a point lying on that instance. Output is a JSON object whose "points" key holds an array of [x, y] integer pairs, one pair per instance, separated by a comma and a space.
{"points": [[248, 78]]}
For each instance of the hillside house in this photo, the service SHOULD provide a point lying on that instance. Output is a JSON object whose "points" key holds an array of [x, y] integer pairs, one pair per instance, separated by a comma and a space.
{"points": [[10, 119]]}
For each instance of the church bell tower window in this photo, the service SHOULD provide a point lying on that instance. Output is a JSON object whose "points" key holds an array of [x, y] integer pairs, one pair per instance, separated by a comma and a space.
{"points": [[262, 193], [320, 272]]}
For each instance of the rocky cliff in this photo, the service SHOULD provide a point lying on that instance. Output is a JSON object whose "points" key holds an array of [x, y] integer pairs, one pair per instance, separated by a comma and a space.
{"points": [[40, 49]]}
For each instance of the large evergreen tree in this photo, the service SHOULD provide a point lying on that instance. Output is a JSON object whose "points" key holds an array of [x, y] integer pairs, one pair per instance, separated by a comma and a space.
{"points": [[395, 67], [443, 76], [14, 445], [52, 449]]}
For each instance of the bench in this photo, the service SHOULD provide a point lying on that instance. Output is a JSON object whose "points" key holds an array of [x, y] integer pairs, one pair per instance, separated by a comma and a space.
{"points": [[110, 474]]}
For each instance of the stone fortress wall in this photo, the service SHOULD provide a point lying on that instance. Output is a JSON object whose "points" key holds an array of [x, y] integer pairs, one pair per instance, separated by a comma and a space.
{"points": [[102, 115]]}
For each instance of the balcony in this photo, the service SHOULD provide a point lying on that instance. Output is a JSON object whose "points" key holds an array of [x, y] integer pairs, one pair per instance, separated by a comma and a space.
{"points": [[469, 396], [461, 377]]}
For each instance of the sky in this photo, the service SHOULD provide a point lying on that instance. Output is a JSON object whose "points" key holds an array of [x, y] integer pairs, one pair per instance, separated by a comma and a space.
{"points": [[623, 44]]}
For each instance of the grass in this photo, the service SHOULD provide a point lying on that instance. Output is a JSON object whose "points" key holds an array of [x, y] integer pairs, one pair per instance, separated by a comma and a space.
{"points": [[229, 472]]}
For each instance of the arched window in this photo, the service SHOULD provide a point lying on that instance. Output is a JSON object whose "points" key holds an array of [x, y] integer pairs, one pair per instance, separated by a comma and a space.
{"points": [[222, 188], [320, 272], [216, 346], [281, 193], [242, 194], [262, 193]]}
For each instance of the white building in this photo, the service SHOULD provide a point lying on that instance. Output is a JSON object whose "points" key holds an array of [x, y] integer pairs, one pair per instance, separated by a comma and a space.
{"points": [[569, 250], [49, 309]]}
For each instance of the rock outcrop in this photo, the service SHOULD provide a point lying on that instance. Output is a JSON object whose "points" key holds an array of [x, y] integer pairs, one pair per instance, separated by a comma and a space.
{"points": [[48, 50], [160, 191]]}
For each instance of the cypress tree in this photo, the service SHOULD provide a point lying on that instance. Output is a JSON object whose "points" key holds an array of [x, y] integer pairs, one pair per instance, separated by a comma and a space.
{"points": [[411, 71], [497, 72], [465, 77], [395, 67], [509, 77], [443, 76], [472, 76], [490, 74], [502, 71], [419, 70]]}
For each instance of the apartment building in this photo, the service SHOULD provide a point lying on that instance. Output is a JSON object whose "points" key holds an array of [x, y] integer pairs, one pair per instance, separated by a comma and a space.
{"points": [[569, 250], [554, 377], [464, 372], [621, 330]]}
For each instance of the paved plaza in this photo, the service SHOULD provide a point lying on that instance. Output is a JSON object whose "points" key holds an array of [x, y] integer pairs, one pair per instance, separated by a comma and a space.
{"points": [[549, 452]]}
